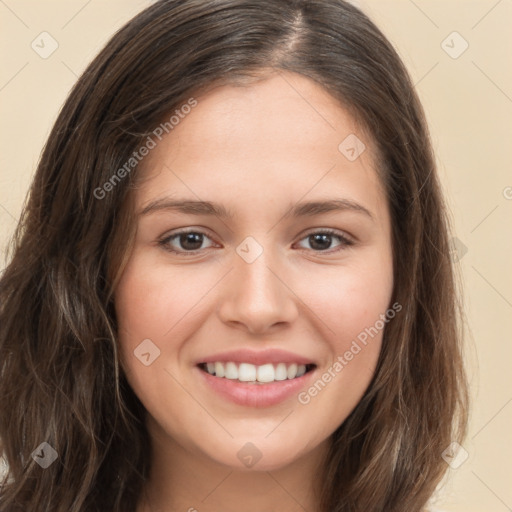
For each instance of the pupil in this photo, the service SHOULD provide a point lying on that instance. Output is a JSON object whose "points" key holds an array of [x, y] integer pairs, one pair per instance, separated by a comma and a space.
{"points": [[324, 238], [192, 238]]}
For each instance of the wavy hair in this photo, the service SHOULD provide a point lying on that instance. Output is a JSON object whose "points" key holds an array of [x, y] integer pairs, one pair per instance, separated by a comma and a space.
{"points": [[61, 381]]}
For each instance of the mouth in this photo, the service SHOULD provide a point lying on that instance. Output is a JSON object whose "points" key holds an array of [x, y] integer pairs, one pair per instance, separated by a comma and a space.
{"points": [[255, 378], [250, 385], [247, 373]]}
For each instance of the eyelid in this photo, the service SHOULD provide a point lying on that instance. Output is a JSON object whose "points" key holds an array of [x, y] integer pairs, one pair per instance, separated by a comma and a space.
{"points": [[165, 239], [329, 231], [346, 239]]}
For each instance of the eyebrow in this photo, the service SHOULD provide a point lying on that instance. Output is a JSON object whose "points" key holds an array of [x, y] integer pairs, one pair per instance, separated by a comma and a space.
{"points": [[303, 209]]}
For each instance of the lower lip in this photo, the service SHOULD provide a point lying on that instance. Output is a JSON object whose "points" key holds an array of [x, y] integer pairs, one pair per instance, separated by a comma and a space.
{"points": [[256, 395]]}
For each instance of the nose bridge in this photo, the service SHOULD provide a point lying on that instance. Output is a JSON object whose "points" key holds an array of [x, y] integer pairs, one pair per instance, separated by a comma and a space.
{"points": [[255, 279], [257, 297]]}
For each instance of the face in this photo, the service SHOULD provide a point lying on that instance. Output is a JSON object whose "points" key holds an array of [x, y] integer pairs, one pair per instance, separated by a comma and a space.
{"points": [[257, 315]]}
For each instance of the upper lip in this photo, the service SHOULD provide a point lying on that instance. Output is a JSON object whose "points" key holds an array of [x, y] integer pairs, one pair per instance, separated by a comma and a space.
{"points": [[257, 357]]}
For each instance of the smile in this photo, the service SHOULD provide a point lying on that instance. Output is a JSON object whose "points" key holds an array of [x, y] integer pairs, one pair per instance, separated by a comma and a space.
{"points": [[250, 373]]}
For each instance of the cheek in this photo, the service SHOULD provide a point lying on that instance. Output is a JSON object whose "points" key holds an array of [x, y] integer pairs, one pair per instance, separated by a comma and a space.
{"points": [[352, 304], [153, 300], [166, 305], [350, 299], [143, 312], [152, 303]]}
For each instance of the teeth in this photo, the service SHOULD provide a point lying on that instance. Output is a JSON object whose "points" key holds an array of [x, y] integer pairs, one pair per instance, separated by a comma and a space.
{"points": [[219, 370], [280, 373], [301, 370], [231, 371], [291, 372], [265, 373], [246, 372]]}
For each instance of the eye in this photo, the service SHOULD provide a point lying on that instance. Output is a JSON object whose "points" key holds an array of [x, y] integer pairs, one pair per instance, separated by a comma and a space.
{"points": [[189, 240], [321, 241]]}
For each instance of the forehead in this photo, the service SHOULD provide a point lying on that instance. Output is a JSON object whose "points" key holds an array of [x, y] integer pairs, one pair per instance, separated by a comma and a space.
{"points": [[278, 136], [285, 111]]}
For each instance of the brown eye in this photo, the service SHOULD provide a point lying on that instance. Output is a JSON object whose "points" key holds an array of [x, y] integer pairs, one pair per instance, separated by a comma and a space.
{"points": [[184, 242], [321, 241], [191, 242]]}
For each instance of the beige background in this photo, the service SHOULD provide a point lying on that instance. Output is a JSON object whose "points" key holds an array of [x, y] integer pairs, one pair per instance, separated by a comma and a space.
{"points": [[468, 101]]}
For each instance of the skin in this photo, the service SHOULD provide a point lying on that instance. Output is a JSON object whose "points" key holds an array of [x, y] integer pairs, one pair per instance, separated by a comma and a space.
{"points": [[258, 150]]}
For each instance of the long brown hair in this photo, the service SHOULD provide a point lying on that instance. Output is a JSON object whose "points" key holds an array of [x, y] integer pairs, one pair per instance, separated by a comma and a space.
{"points": [[61, 381]]}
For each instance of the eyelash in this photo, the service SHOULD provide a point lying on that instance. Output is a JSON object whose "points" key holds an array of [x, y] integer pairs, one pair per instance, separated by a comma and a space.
{"points": [[345, 241]]}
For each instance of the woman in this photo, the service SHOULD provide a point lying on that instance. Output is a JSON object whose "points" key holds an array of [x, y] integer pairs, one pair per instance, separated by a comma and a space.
{"points": [[308, 357]]}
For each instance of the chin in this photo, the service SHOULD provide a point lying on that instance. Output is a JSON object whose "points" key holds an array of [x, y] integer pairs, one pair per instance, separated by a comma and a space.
{"points": [[259, 455]]}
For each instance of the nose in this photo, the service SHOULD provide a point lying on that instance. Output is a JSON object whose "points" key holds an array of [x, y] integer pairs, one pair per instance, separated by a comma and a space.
{"points": [[257, 296]]}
